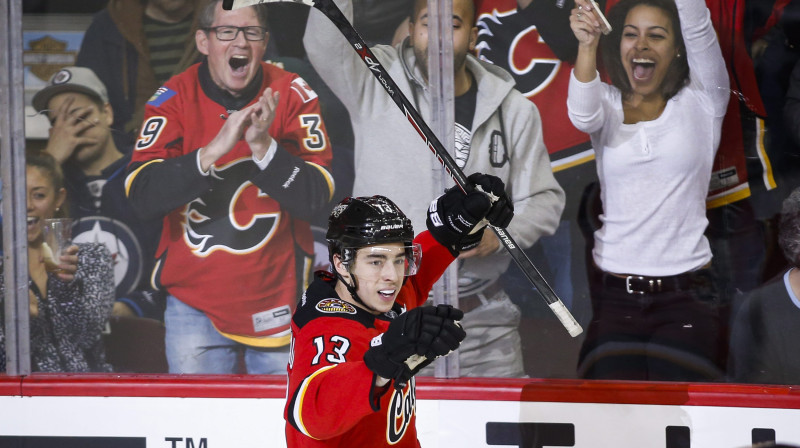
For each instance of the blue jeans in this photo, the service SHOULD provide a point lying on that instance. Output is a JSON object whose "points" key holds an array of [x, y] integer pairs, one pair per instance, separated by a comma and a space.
{"points": [[193, 345]]}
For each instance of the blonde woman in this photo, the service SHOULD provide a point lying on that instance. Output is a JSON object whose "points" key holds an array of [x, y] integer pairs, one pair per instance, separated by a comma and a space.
{"points": [[70, 298]]}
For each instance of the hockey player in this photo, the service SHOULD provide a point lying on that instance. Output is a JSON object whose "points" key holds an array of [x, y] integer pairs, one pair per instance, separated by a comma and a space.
{"points": [[361, 329]]}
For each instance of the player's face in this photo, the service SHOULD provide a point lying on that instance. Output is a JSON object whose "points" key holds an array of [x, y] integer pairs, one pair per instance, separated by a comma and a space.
{"points": [[43, 200], [464, 33], [233, 64], [100, 117], [379, 272], [647, 48]]}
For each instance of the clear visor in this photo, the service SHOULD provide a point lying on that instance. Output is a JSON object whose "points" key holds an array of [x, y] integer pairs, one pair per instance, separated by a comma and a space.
{"points": [[376, 261]]}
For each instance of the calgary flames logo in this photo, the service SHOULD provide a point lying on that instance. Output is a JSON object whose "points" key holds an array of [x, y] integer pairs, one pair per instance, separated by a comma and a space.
{"points": [[401, 410], [504, 39], [224, 219]]}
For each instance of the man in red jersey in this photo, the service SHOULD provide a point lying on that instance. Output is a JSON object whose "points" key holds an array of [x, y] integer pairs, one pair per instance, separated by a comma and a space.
{"points": [[233, 154], [361, 329]]}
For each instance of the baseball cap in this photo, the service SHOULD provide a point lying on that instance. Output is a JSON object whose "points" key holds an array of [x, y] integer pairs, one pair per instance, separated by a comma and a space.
{"points": [[71, 79]]}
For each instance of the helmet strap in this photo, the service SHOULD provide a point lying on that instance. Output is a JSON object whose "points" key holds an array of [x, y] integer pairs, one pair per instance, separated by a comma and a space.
{"points": [[352, 286]]}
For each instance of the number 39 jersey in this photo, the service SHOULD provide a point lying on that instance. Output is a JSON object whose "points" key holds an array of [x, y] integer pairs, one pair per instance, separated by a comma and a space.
{"points": [[233, 240], [331, 398]]}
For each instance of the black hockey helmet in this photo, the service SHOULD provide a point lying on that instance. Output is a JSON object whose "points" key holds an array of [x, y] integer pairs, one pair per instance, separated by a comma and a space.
{"points": [[362, 221]]}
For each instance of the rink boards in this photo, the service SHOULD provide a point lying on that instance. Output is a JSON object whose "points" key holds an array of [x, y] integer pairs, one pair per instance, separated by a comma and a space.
{"points": [[212, 412]]}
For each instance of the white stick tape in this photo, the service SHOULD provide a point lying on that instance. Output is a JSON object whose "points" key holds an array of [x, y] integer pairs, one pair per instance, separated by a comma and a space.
{"points": [[569, 322]]}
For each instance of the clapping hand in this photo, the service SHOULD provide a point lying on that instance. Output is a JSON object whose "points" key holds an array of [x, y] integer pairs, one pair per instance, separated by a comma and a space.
{"points": [[261, 114], [252, 122]]}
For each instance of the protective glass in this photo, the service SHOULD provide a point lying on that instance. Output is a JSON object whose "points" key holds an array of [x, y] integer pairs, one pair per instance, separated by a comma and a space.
{"points": [[226, 33], [372, 260]]}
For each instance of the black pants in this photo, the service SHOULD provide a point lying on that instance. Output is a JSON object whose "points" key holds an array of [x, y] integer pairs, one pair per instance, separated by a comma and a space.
{"points": [[667, 336]]}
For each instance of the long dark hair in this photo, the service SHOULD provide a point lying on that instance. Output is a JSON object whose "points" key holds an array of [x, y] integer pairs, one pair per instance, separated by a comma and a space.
{"points": [[678, 71]]}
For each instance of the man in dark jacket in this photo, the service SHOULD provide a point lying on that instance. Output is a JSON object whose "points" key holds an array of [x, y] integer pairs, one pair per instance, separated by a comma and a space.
{"points": [[134, 46]]}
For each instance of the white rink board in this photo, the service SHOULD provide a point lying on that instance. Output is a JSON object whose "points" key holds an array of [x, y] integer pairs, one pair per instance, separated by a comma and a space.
{"points": [[252, 422]]}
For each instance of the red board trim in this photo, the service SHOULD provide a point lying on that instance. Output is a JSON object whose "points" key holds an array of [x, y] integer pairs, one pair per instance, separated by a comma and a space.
{"points": [[486, 389]]}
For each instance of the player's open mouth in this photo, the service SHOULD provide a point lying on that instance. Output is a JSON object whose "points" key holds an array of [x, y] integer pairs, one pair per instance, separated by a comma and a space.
{"points": [[643, 68], [238, 63], [32, 221], [387, 293]]}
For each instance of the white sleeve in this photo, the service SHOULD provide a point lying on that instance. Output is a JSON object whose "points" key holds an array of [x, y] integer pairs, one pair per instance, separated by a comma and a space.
{"points": [[706, 63], [585, 104], [262, 164], [199, 166]]}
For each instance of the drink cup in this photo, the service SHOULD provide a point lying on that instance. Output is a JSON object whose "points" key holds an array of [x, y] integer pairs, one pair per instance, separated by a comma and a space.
{"points": [[57, 238]]}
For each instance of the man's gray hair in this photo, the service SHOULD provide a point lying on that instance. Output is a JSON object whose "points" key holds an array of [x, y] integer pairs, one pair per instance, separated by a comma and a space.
{"points": [[789, 228], [207, 14]]}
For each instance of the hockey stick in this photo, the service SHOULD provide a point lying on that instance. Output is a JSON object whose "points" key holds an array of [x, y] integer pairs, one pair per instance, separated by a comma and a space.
{"points": [[334, 14]]}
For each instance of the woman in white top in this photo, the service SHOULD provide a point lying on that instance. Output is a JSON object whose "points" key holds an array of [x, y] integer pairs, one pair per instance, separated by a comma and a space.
{"points": [[655, 131]]}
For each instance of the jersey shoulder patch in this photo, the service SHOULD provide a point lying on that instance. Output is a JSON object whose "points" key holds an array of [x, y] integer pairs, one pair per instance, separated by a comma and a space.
{"points": [[160, 96], [302, 89], [331, 308], [335, 305]]}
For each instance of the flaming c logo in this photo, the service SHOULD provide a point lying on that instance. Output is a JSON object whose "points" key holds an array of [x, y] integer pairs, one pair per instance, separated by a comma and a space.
{"points": [[506, 41], [224, 219]]}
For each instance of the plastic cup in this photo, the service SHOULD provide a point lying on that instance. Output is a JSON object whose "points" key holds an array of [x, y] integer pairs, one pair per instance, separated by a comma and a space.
{"points": [[57, 238]]}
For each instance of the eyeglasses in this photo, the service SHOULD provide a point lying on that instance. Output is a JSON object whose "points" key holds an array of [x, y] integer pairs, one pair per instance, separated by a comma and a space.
{"points": [[227, 33]]}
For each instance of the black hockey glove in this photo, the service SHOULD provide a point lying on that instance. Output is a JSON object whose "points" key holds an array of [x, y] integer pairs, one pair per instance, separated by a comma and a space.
{"points": [[412, 341], [456, 220], [441, 333], [440, 338], [502, 208]]}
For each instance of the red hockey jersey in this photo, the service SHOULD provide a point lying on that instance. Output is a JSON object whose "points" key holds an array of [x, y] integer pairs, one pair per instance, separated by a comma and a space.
{"points": [[743, 126], [331, 401], [230, 239]]}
